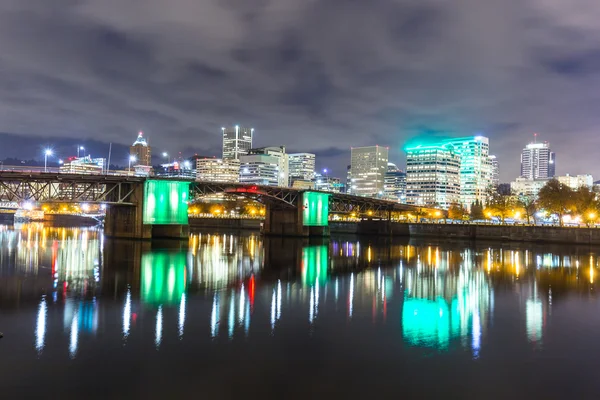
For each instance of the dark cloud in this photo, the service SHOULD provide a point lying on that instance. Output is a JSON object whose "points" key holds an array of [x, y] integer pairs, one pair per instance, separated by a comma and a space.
{"points": [[314, 75]]}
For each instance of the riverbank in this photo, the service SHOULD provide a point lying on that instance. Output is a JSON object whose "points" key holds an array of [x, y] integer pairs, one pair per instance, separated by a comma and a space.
{"points": [[517, 233]]}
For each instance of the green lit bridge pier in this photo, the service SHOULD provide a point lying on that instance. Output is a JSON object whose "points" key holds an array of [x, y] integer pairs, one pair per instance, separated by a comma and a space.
{"points": [[159, 210], [146, 208]]}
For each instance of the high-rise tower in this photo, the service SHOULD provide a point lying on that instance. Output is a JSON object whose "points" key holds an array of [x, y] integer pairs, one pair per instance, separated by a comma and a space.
{"points": [[237, 141], [140, 151], [538, 161]]}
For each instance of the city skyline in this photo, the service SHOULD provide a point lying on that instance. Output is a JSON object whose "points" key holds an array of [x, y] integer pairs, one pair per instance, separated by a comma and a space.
{"points": [[287, 74]]}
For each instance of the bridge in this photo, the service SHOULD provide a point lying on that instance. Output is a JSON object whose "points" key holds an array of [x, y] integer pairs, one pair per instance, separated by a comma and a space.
{"points": [[142, 208]]}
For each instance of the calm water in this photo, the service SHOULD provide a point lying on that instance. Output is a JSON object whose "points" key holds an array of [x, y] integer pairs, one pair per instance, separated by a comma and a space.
{"points": [[237, 315]]}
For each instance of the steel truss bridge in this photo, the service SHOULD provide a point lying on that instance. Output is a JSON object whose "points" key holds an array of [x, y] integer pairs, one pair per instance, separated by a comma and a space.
{"points": [[20, 187]]}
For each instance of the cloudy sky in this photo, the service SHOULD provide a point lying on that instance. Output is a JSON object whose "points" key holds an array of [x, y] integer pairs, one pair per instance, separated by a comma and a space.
{"points": [[314, 75]]}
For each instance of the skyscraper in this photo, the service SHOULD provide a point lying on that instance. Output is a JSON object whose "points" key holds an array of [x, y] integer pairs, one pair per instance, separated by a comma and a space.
{"points": [[301, 167], [495, 170], [475, 168], [432, 175], [395, 184], [237, 141], [538, 161], [265, 166], [368, 166], [141, 152]]}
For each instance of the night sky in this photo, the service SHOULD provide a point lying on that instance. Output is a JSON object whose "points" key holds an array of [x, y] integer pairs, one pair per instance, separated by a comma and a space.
{"points": [[314, 75]]}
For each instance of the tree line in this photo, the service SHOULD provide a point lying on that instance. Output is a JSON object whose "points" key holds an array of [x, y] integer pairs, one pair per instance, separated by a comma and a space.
{"points": [[555, 198]]}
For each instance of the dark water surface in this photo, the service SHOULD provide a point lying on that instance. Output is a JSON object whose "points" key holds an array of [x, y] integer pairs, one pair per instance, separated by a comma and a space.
{"points": [[235, 315]]}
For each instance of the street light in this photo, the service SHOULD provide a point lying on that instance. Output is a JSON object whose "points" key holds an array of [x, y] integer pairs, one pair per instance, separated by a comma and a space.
{"points": [[47, 153], [79, 148], [132, 158]]}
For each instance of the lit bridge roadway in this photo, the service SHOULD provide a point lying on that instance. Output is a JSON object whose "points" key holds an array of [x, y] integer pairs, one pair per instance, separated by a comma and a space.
{"points": [[124, 194]]}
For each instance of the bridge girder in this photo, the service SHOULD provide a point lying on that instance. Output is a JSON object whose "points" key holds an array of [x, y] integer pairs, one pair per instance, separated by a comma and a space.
{"points": [[269, 195], [47, 188], [118, 189]]}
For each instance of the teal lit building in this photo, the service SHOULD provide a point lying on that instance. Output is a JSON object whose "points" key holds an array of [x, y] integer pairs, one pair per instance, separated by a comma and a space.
{"points": [[475, 168], [432, 175], [451, 171]]}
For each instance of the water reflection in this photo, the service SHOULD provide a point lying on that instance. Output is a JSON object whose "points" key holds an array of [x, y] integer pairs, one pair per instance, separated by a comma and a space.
{"points": [[436, 295]]}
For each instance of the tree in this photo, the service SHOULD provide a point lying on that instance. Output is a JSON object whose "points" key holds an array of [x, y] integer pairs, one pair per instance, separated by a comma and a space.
{"points": [[529, 206], [477, 211], [585, 202], [500, 205], [457, 211], [556, 198]]}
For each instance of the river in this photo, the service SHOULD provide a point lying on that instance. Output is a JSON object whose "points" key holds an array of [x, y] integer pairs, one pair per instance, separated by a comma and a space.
{"points": [[230, 315]]}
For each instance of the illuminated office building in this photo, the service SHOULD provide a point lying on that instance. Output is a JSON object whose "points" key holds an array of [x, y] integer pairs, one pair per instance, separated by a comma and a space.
{"points": [[265, 166], [326, 183], [237, 141], [495, 170], [83, 165], [301, 167], [475, 168], [538, 161], [217, 170], [140, 151], [368, 166], [395, 184], [432, 175]]}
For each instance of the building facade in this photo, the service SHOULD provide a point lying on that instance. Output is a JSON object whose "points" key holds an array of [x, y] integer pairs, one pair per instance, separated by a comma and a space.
{"points": [[217, 170], [394, 187], [433, 175], [326, 183], [495, 170], [83, 165], [141, 151], [265, 166], [301, 167], [576, 181], [527, 187], [368, 166], [475, 168], [237, 141], [538, 161]]}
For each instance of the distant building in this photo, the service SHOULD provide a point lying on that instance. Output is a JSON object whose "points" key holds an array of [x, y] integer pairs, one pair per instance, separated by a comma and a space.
{"points": [[237, 141], [531, 187], [495, 170], [265, 166], [141, 152], [368, 166], [301, 167], [303, 185], [328, 183], [177, 169], [394, 187], [83, 165], [217, 170], [475, 168], [527, 187], [538, 161], [349, 179], [576, 181], [433, 175]]}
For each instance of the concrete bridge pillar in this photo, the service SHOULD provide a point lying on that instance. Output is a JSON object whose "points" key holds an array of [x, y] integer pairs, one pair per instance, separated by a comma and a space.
{"points": [[142, 221], [284, 222], [281, 221]]}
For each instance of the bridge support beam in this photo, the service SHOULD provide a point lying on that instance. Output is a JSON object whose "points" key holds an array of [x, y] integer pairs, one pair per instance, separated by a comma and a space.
{"points": [[126, 222], [289, 222]]}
